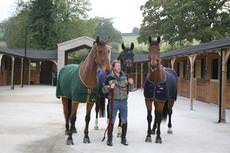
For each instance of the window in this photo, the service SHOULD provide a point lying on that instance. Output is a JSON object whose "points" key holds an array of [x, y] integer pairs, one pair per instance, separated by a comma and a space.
{"points": [[33, 65], [203, 68], [215, 66], [178, 69], [194, 70], [186, 70], [228, 69]]}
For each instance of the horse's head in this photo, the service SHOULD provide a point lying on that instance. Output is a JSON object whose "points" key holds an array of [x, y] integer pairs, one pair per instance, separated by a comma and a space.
{"points": [[101, 52], [126, 57], [154, 53]]}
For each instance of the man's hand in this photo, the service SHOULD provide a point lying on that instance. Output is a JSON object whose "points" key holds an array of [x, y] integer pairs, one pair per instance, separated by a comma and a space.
{"points": [[130, 80], [112, 86]]}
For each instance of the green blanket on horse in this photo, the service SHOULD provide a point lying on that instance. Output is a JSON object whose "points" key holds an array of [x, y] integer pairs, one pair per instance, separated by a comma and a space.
{"points": [[70, 85]]}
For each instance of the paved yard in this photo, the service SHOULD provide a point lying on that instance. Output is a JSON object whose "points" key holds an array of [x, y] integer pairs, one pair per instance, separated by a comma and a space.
{"points": [[32, 122]]}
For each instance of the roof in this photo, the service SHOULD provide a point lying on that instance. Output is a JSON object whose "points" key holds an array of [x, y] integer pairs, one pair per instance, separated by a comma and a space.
{"points": [[80, 41], [139, 57], [76, 43], [205, 47], [31, 53]]}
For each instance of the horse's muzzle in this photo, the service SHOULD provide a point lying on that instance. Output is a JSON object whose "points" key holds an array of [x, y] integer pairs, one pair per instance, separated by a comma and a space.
{"points": [[153, 66]]}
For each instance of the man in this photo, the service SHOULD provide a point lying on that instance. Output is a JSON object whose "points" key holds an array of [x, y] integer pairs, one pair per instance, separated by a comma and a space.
{"points": [[119, 85]]}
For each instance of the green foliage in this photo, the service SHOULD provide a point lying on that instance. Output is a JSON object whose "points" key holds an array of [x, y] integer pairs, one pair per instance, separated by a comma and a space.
{"points": [[105, 29], [44, 23], [15, 30], [41, 22], [135, 31], [180, 21], [78, 56], [138, 47]]}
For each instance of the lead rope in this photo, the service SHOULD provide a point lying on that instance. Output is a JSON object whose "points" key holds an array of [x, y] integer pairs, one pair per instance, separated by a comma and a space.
{"points": [[109, 127]]}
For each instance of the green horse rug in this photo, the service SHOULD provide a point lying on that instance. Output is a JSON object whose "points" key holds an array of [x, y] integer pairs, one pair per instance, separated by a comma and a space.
{"points": [[70, 85]]}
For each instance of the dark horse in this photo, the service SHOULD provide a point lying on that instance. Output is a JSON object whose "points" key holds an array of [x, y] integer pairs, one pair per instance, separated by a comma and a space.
{"points": [[77, 84], [126, 58], [160, 87]]}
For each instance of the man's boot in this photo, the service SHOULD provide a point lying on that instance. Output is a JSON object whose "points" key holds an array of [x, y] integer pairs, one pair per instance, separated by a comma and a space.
{"points": [[123, 134], [110, 136]]}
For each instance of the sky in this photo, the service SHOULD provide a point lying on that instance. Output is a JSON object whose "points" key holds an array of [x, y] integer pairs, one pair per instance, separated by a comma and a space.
{"points": [[126, 14]]}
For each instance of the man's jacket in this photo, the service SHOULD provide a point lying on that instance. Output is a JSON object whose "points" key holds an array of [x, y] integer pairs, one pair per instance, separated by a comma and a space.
{"points": [[120, 92]]}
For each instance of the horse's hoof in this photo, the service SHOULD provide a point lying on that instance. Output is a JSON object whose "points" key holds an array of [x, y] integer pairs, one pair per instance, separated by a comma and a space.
{"points": [[170, 131], [148, 139], [69, 141], [86, 140], [74, 130], [66, 132], [96, 127], [158, 140]]}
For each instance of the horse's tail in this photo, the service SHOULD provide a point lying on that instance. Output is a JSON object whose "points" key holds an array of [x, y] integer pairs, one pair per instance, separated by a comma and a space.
{"points": [[101, 105], [165, 111]]}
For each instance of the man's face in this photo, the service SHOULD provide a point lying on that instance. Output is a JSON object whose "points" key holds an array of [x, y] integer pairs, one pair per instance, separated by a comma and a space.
{"points": [[117, 67]]}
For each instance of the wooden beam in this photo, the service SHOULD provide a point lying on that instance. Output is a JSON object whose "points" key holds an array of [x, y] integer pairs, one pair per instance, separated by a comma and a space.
{"points": [[192, 59], [141, 75], [22, 70], [136, 74], [222, 81], [29, 72], [12, 73], [0, 59], [173, 60]]}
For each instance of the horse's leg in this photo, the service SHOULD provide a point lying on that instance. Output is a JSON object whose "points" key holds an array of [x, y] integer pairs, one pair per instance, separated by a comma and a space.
{"points": [[87, 119], [158, 114], [66, 112], [170, 105], [119, 125], [148, 104], [154, 126], [72, 128], [72, 121], [97, 111]]}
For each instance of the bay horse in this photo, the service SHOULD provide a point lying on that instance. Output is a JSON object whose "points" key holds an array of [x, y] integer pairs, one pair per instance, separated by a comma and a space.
{"points": [[160, 88], [77, 84], [126, 58]]}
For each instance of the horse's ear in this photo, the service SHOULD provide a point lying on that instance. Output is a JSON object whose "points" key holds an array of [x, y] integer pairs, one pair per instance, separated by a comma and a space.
{"points": [[150, 39], [158, 39], [132, 46], [97, 39], [123, 46]]}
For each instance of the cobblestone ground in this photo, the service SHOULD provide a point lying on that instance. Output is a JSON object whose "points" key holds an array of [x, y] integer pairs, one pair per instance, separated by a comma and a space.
{"points": [[31, 121]]}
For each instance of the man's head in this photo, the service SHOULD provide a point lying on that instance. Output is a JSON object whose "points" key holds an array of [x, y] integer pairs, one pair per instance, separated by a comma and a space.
{"points": [[116, 66]]}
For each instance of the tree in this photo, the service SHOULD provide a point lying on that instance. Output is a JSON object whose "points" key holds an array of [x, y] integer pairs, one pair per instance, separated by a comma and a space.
{"points": [[105, 29], [47, 22], [41, 23], [15, 30], [185, 20], [71, 19], [135, 31]]}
